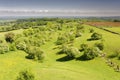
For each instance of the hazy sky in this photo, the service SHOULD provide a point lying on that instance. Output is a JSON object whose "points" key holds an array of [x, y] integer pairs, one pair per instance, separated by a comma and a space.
{"points": [[60, 7]]}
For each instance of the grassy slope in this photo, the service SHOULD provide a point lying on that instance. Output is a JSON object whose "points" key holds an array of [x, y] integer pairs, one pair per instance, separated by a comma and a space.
{"points": [[115, 29], [13, 62], [14, 31]]}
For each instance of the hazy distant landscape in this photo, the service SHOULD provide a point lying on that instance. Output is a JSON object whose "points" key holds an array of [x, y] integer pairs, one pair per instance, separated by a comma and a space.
{"points": [[60, 40]]}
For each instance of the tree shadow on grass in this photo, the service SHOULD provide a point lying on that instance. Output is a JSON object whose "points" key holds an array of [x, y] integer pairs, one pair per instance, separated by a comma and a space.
{"points": [[28, 57], [60, 52], [64, 59], [91, 39], [112, 56], [81, 58]]}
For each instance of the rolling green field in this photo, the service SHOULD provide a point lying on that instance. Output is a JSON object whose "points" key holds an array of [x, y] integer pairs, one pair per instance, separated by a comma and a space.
{"points": [[56, 68], [114, 29]]}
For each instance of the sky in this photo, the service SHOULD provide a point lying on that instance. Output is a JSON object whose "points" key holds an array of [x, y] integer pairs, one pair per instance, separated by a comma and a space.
{"points": [[59, 7]]}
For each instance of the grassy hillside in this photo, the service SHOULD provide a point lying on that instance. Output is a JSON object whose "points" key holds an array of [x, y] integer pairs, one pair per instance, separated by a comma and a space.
{"points": [[56, 67]]}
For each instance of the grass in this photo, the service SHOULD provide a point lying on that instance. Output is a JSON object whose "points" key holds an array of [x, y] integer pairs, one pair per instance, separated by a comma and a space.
{"points": [[14, 31], [13, 62], [114, 29]]}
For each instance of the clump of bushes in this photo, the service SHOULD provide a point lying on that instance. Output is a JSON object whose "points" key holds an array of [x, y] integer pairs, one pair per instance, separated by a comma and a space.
{"points": [[71, 36], [12, 47], [79, 27], [1, 41], [25, 75], [21, 46], [91, 30], [65, 38], [35, 53], [61, 40], [78, 34], [4, 48], [28, 32], [9, 37], [96, 36], [90, 53], [84, 46], [99, 45], [71, 52]]}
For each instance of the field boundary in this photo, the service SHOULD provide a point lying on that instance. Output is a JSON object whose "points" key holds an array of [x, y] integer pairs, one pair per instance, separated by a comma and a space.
{"points": [[106, 30]]}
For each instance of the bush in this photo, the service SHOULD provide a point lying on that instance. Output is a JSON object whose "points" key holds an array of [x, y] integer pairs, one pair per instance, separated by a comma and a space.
{"points": [[99, 45], [35, 53], [78, 34], [96, 36], [21, 46], [71, 36], [61, 40], [25, 75], [12, 47], [4, 48], [91, 30], [64, 48], [79, 27], [28, 32], [1, 41], [72, 52], [84, 46], [9, 37], [90, 53]]}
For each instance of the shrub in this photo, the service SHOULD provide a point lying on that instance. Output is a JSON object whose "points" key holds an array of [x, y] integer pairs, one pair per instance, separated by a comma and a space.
{"points": [[61, 40], [84, 46], [9, 37], [79, 27], [64, 48], [90, 53], [72, 52], [28, 32], [96, 36], [99, 45], [21, 46], [25, 75], [78, 34], [71, 36], [12, 47], [35, 53], [1, 41], [4, 48], [39, 54], [91, 30]]}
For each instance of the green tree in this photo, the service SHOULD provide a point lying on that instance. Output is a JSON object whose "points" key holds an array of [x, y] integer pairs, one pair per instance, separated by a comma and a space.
{"points": [[84, 46], [35, 53], [9, 37], [61, 40], [96, 36], [90, 53], [72, 52], [99, 45]]}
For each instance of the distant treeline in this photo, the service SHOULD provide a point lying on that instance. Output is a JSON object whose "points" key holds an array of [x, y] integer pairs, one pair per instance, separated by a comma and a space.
{"points": [[37, 22]]}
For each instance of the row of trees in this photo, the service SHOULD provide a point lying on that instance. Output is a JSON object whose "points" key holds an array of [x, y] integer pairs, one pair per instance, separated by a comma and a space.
{"points": [[85, 52]]}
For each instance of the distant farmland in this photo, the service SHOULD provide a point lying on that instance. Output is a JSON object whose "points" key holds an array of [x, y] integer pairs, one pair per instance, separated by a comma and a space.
{"points": [[104, 24]]}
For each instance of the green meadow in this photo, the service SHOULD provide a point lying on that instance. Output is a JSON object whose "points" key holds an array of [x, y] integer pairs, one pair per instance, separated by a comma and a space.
{"points": [[59, 66]]}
